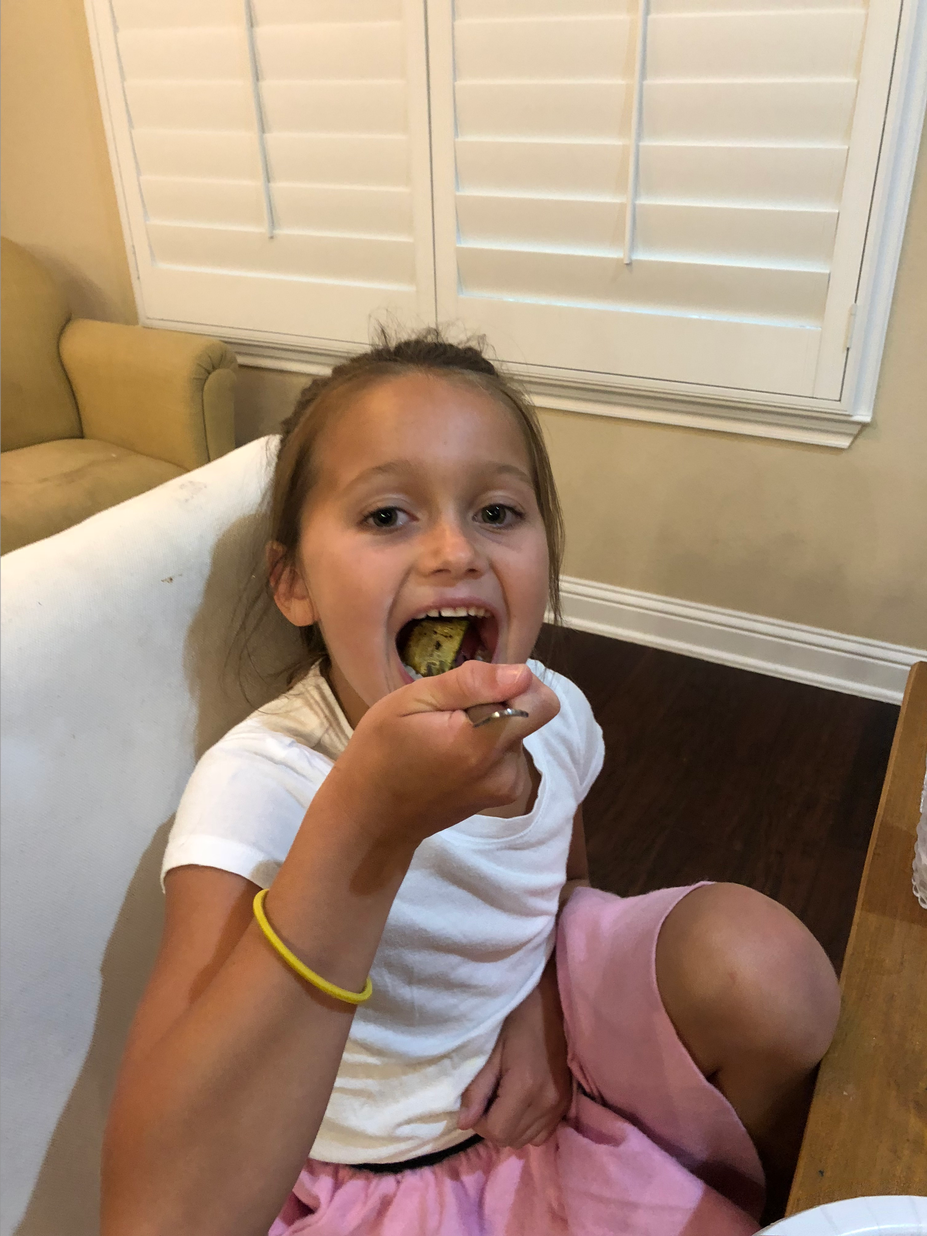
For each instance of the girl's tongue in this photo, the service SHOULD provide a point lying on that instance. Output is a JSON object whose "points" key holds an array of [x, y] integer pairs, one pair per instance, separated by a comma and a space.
{"points": [[471, 645]]}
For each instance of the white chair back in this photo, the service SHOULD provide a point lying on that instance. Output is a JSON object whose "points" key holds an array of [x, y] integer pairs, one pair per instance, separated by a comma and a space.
{"points": [[116, 677]]}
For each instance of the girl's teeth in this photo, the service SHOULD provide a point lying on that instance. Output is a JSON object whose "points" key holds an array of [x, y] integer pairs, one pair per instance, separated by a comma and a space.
{"points": [[459, 611], [410, 671]]}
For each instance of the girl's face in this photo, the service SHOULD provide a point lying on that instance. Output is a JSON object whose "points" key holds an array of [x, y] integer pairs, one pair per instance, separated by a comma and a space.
{"points": [[423, 502]]}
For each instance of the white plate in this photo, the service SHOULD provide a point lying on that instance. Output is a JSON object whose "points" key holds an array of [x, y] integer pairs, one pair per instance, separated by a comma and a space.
{"points": [[858, 1216]]}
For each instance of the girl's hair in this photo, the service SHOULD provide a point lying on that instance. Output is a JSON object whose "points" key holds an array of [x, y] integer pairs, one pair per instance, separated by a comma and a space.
{"points": [[426, 352]]}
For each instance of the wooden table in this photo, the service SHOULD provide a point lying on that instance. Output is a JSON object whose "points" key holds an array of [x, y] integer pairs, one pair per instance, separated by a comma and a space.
{"points": [[867, 1129]]}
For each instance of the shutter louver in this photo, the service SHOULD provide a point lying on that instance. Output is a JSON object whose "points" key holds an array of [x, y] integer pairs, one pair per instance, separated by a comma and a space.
{"points": [[290, 170], [341, 114], [746, 117]]}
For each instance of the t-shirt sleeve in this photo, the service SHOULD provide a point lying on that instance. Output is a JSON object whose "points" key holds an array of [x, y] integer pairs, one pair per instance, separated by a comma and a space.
{"points": [[580, 733], [243, 805]]}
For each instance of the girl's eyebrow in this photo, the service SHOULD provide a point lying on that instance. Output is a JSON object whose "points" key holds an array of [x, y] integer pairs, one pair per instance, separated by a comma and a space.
{"points": [[408, 465], [513, 470], [396, 465]]}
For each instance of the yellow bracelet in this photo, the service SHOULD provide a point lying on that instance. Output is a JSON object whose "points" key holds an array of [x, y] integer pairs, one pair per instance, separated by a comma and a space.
{"points": [[339, 993]]}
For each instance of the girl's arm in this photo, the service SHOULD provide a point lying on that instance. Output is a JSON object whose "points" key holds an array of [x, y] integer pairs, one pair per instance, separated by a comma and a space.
{"points": [[232, 1057], [577, 868]]}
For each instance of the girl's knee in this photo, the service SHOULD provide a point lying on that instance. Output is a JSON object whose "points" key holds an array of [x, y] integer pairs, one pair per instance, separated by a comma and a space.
{"points": [[741, 977]]}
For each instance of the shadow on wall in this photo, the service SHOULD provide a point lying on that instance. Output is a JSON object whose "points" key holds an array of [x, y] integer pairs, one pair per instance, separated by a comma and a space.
{"points": [[263, 399], [226, 684], [85, 296]]}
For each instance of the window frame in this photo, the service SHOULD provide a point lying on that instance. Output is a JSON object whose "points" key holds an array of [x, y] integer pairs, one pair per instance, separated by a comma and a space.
{"points": [[817, 421]]}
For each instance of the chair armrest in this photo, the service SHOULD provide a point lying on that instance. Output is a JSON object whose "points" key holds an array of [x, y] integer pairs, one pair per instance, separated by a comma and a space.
{"points": [[162, 393]]}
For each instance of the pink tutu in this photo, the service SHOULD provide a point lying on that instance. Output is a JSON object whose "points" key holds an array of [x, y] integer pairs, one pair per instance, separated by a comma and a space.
{"points": [[649, 1147]]}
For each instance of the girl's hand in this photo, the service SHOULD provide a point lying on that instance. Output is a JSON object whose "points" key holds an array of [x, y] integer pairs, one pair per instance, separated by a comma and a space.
{"points": [[416, 764], [524, 1089]]}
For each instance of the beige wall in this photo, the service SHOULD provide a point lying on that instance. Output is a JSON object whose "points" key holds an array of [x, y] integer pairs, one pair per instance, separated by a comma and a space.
{"points": [[836, 539], [57, 189]]}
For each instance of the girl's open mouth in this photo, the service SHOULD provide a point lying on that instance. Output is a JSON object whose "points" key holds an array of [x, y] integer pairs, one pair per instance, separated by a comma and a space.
{"points": [[445, 639]]}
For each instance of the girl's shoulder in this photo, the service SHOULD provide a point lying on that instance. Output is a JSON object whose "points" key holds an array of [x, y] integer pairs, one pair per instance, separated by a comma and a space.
{"points": [[574, 706], [305, 718], [574, 734], [246, 798]]}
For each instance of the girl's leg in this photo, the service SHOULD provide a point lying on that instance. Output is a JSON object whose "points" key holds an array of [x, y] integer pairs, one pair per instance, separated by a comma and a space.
{"points": [[625, 1052], [754, 999]]}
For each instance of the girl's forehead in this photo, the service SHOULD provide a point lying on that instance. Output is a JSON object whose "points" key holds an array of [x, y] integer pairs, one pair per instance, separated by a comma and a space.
{"points": [[420, 416]]}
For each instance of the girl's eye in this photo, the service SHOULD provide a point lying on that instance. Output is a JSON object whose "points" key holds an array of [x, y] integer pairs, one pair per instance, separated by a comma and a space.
{"points": [[384, 517], [498, 515]]}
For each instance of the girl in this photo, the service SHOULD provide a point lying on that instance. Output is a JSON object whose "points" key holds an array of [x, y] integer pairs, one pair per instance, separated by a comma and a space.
{"points": [[535, 1056]]}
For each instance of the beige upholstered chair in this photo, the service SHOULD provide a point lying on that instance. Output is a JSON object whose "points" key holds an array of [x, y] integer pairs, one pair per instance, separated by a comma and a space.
{"points": [[93, 412]]}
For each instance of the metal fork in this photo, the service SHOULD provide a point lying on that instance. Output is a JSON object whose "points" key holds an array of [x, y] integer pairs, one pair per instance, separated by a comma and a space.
{"points": [[497, 712]]}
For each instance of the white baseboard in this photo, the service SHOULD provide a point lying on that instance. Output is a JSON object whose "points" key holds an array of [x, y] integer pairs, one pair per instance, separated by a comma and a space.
{"points": [[821, 658]]}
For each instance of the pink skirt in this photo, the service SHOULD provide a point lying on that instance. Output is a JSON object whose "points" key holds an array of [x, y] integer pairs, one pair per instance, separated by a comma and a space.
{"points": [[649, 1147]]}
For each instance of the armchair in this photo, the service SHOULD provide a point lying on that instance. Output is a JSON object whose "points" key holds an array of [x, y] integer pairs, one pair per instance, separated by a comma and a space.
{"points": [[94, 412]]}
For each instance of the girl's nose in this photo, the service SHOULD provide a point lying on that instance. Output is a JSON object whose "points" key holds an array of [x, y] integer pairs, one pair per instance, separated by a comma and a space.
{"points": [[447, 549]]}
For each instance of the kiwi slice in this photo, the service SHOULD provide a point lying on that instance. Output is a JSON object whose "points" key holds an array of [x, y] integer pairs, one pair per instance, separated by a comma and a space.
{"points": [[433, 644]]}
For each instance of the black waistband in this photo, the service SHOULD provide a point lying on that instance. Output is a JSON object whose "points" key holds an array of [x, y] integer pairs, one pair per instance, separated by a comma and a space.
{"points": [[423, 1160]]}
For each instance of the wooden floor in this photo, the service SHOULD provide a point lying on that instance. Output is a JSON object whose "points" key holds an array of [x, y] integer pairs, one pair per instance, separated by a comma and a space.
{"points": [[718, 773]]}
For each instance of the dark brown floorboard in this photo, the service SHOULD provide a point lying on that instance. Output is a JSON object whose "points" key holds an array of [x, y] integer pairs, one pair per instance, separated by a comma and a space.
{"points": [[713, 773]]}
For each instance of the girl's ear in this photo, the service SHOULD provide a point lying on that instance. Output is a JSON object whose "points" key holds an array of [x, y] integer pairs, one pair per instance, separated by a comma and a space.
{"points": [[289, 588]]}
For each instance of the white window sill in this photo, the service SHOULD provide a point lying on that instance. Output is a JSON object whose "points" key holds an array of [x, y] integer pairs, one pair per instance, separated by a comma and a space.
{"points": [[789, 420]]}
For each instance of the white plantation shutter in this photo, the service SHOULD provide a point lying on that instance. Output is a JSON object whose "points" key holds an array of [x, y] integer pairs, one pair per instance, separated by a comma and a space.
{"points": [[274, 160], [662, 209], [749, 217]]}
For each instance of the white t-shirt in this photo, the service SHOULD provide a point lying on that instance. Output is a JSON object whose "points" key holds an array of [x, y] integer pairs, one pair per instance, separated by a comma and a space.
{"points": [[469, 932]]}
